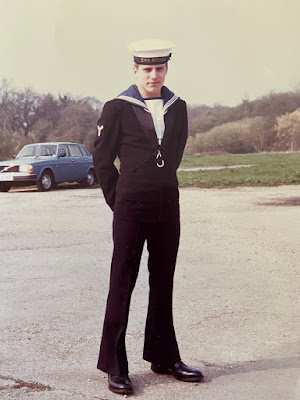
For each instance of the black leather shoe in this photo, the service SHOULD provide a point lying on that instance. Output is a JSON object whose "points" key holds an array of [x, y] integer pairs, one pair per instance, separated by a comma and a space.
{"points": [[180, 371], [120, 384]]}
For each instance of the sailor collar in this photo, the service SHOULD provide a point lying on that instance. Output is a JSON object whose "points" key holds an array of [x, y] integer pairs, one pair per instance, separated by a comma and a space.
{"points": [[132, 95]]}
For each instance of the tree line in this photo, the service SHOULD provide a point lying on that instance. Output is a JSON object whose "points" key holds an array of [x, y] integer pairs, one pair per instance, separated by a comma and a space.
{"points": [[270, 123], [29, 117]]}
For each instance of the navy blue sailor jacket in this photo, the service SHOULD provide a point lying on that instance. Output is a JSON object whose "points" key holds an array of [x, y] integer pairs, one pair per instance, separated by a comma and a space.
{"points": [[146, 187]]}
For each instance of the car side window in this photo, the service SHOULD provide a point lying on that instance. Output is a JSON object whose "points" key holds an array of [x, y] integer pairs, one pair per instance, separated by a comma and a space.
{"points": [[46, 150], [75, 151], [84, 151], [64, 150]]}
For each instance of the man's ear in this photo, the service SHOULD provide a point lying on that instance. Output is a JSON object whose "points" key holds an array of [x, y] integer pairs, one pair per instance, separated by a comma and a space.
{"points": [[134, 69]]}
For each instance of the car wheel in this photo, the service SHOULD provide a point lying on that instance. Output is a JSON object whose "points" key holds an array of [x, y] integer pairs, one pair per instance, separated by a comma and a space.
{"points": [[46, 181], [4, 187], [90, 179]]}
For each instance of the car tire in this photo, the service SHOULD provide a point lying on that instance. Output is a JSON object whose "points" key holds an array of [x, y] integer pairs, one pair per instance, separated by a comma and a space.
{"points": [[4, 187], [46, 181], [90, 179]]}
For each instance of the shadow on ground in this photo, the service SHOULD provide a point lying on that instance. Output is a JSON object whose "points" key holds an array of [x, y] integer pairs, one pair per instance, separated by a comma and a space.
{"points": [[289, 201]]}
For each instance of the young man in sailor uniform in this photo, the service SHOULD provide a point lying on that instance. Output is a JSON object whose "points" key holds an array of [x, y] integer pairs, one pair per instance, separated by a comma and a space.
{"points": [[146, 127]]}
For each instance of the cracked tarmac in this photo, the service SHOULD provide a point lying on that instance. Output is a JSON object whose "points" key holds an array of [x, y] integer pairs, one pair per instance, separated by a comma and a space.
{"points": [[236, 307]]}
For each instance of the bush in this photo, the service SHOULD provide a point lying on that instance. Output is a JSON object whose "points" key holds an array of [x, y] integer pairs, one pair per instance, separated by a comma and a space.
{"points": [[248, 135], [8, 144], [233, 137]]}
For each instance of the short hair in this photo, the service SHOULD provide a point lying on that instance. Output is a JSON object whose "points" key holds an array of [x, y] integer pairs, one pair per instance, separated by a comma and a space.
{"points": [[136, 65]]}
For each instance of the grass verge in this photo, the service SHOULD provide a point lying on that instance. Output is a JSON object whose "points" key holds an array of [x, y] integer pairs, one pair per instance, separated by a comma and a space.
{"points": [[265, 169]]}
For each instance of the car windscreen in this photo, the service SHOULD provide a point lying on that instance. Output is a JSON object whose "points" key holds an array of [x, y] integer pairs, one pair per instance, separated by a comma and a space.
{"points": [[38, 150]]}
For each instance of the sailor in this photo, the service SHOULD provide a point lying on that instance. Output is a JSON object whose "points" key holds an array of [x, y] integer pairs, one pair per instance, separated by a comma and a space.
{"points": [[146, 128]]}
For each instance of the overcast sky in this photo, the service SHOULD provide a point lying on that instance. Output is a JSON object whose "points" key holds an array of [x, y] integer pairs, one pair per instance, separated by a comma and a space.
{"points": [[226, 50]]}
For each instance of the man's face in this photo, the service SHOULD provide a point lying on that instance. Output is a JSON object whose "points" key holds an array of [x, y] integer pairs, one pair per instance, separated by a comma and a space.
{"points": [[150, 79]]}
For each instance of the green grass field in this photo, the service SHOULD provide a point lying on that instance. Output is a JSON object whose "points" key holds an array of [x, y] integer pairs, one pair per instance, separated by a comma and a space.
{"points": [[264, 169]]}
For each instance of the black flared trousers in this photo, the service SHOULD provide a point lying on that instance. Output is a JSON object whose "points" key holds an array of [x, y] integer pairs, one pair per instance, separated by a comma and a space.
{"points": [[160, 345]]}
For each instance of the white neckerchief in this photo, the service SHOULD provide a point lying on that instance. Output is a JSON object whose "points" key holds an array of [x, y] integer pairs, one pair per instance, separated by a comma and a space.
{"points": [[155, 106]]}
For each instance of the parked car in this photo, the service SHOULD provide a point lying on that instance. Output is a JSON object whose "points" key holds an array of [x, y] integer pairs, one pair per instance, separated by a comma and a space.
{"points": [[46, 164]]}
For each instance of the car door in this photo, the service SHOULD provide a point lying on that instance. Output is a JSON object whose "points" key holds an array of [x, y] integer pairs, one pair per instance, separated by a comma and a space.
{"points": [[79, 163], [64, 165]]}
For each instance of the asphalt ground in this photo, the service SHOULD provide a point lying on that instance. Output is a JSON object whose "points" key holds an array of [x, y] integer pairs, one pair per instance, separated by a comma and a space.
{"points": [[236, 296]]}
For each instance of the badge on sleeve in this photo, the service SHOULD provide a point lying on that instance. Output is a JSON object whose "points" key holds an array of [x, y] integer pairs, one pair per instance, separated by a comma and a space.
{"points": [[99, 128]]}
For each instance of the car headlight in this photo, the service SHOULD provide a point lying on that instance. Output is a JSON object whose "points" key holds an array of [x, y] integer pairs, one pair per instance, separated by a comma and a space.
{"points": [[26, 168]]}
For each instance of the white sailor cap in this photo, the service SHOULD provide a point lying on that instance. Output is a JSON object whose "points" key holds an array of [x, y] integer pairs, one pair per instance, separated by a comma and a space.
{"points": [[151, 51]]}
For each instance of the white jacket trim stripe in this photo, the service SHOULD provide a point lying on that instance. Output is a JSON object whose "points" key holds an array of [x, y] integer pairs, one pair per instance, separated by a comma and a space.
{"points": [[170, 102], [132, 100]]}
